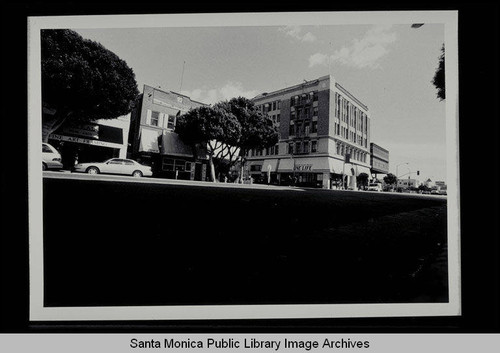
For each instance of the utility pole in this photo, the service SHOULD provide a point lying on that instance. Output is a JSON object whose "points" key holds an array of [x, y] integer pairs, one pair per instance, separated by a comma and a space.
{"points": [[182, 76]]}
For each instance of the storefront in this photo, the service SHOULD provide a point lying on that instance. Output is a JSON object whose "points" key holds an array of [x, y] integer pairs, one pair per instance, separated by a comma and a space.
{"points": [[316, 172], [91, 142]]}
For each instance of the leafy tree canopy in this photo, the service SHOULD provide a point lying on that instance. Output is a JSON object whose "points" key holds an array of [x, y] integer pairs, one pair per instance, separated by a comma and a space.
{"points": [[257, 129], [438, 80], [390, 179], [83, 80], [205, 124]]}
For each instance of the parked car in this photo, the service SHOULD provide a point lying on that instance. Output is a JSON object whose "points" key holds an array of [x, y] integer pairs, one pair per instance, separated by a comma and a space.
{"points": [[51, 158], [114, 166], [375, 187]]}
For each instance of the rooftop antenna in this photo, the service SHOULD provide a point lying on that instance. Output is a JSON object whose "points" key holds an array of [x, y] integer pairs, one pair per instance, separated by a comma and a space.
{"points": [[182, 76]]}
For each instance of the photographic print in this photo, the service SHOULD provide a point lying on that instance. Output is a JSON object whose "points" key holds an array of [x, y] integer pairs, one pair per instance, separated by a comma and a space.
{"points": [[243, 166]]}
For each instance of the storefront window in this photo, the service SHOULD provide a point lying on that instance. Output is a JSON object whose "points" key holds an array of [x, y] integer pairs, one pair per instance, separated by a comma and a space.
{"points": [[168, 164]]}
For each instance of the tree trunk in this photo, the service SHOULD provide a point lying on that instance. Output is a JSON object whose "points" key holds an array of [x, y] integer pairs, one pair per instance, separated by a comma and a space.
{"points": [[212, 168], [50, 123]]}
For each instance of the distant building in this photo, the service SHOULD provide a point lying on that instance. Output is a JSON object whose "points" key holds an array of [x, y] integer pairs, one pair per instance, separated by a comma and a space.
{"points": [[152, 139], [94, 141], [407, 183], [379, 160], [324, 134]]}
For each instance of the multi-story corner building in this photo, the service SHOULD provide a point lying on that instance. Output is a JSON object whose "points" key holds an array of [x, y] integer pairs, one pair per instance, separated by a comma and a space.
{"points": [[379, 159], [324, 134], [152, 139]]}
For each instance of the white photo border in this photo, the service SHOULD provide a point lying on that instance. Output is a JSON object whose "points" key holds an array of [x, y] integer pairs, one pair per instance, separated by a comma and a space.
{"points": [[210, 312]]}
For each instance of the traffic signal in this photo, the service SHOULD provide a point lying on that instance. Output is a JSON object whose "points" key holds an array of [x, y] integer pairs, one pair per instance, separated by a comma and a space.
{"points": [[418, 172]]}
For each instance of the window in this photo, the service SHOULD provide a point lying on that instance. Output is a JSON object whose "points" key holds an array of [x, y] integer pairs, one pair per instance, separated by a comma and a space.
{"points": [[180, 164], [168, 164], [315, 96], [306, 146], [306, 128], [298, 130], [293, 116], [279, 105], [128, 162], [306, 113], [115, 161], [290, 148], [292, 130], [314, 146], [277, 118], [298, 147], [315, 111], [188, 166], [255, 168], [314, 127], [46, 149], [155, 117], [171, 122], [277, 149]]}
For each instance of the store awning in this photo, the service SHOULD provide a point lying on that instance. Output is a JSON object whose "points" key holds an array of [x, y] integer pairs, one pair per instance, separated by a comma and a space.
{"points": [[270, 165], [362, 169]]}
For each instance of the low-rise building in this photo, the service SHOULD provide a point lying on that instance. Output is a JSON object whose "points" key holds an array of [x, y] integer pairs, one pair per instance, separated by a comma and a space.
{"points": [[94, 141], [407, 183], [152, 139], [379, 160]]}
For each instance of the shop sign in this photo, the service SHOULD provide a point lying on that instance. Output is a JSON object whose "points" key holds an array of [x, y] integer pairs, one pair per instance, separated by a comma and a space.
{"points": [[303, 167], [84, 141], [84, 130]]}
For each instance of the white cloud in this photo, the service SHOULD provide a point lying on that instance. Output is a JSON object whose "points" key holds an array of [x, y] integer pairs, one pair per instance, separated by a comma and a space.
{"points": [[296, 32], [214, 95], [361, 53], [318, 59]]}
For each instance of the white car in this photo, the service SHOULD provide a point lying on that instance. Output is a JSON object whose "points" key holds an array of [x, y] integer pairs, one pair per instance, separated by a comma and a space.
{"points": [[51, 158], [375, 187], [114, 166]]}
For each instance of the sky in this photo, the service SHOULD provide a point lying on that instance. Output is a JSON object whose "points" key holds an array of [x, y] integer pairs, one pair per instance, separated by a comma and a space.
{"points": [[388, 67]]}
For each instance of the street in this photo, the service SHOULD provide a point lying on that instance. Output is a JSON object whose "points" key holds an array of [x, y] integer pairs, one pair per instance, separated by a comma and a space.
{"points": [[142, 241]]}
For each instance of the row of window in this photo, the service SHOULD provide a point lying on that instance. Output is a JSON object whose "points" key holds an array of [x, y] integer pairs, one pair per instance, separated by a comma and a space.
{"points": [[305, 146], [304, 98], [303, 128], [159, 119], [275, 118], [350, 114], [270, 106], [303, 113], [350, 135], [357, 155], [176, 164], [270, 151]]}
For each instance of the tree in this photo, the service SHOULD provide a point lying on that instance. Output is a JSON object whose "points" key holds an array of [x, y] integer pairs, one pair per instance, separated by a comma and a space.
{"points": [[82, 81], [390, 179], [257, 130], [213, 126], [362, 180], [438, 79]]}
